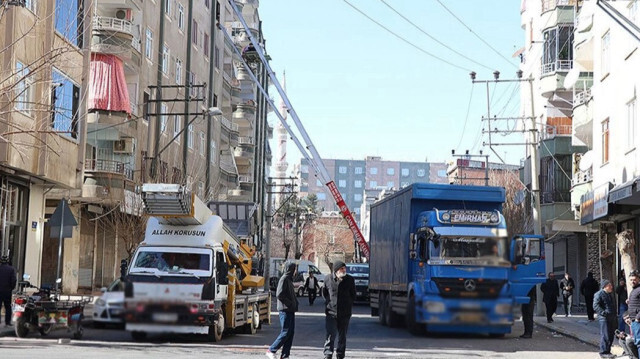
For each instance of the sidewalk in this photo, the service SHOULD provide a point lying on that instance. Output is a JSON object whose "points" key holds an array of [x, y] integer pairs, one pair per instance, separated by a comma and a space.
{"points": [[577, 327]]}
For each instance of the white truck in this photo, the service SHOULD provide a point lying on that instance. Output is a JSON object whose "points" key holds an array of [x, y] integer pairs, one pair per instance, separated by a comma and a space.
{"points": [[190, 274]]}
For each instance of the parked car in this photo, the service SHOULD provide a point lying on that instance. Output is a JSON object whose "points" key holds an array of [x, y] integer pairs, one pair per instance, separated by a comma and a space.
{"points": [[360, 273], [109, 307]]}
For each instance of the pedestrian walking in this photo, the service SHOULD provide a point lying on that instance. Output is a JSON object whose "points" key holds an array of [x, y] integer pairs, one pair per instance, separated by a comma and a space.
{"points": [[339, 292], [287, 308], [621, 293], [7, 283], [634, 305], [603, 304], [567, 284], [312, 286], [527, 314], [550, 293], [588, 289]]}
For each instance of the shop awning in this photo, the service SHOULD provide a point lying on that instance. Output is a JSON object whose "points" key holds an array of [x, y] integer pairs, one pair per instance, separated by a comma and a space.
{"points": [[108, 86], [626, 193]]}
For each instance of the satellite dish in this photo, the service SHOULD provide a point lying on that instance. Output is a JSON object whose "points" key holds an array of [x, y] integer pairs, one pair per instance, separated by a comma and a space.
{"points": [[586, 161], [519, 197]]}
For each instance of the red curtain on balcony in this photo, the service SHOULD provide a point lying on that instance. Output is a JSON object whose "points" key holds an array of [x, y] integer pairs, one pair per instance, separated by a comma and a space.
{"points": [[108, 86]]}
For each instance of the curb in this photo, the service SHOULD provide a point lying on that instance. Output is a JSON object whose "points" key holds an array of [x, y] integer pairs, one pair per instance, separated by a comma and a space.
{"points": [[567, 333]]}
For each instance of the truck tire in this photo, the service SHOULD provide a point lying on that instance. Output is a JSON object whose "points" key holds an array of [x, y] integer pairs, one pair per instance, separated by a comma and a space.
{"points": [[216, 330], [138, 336], [254, 321], [414, 327]]}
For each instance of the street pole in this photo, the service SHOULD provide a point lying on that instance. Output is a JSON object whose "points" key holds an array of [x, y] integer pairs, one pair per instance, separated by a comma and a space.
{"points": [[267, 250], [59, 250], [535, 181]]}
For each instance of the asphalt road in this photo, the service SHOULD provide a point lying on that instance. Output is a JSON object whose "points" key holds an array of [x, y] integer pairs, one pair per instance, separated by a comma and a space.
{"points": [[367, 339]]}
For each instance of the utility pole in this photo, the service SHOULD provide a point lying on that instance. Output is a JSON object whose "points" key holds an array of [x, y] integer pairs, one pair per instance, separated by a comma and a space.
{"points": [[267, 250], [532, 141]]}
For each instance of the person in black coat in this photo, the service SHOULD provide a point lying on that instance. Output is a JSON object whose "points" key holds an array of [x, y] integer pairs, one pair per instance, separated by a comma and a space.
{"points": [[8, 281], [550, 293], [287, 306], [339, 292], [527, 313], [603, 304], [634, 305], [588, 288], [311, 286], [567, 284]]}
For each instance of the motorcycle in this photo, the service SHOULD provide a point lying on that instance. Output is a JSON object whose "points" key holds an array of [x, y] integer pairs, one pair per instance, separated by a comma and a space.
{"points": [[25, 317]]}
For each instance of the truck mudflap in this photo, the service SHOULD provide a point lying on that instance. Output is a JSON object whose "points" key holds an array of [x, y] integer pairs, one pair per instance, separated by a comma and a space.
{"points": [[166, 328], [470, 315]]}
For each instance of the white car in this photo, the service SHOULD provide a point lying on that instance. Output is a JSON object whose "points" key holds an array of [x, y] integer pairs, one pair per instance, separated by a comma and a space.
{"points": [[109, 307]]}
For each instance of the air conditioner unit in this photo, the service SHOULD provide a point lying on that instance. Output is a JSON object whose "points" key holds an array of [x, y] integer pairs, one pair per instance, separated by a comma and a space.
{"points": [[124, 145], [123, 14]]}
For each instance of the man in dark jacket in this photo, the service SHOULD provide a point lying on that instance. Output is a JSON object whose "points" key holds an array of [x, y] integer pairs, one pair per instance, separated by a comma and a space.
{"points": [[567, 284], [527, 313], [588, 288], [634, 305], [550, 292], [287, 306], [339, 293], [7, 283], [603, 304], [312, 286]]}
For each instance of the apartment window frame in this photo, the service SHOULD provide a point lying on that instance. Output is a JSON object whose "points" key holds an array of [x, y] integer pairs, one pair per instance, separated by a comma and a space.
{"points": [[194, 33], [66, 104], [167, 7], [321, 196], [357, 197], [391, 171], [203, 143], [605, 141], [357, 184], [190, 138], [178, 71], [212, 148], [148, 48], [68, 23], [342, 169], [405, 172], [24, 89], [216, 57], [605, 54], [632, 9], [318, 183], [180, 17], [177, 126], [421, 172], [166, 58], [631, 123], [391, 184], [206, 45], [31, 5], [373, 170], [342, 183], [164, 109], [358, 170], [373, 184], [557, 51]]}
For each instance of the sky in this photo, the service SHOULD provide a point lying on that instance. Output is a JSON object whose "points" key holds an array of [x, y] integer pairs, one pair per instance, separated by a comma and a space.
{"points": [[361, 91]]}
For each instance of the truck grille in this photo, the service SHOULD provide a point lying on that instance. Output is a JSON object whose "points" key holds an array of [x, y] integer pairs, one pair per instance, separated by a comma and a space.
{"points": [[469, 287]]}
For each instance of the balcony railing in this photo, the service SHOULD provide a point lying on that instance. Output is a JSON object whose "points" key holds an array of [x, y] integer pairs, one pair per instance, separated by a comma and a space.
{"points": [[582, 177], [550, 132], [558, 65], [552, 4], [245, 179], [135, 43], [246, 141], [228, 124], [108, 166], [582, 97], [111, 23]]}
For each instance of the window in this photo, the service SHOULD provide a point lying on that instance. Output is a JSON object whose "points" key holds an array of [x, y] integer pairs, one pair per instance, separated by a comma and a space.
{"points": [[167, 6], [373, 170], [391, 171], [207, 3], [357, 197], [180, 17], [342, 183], [605, 141], [30, 5], [420, 172], [342, 169], [203, 143], [557, 51], [405, 172], [148, 50], [178, 71], [442, 173], [357, 170], [67, 14], [177, 126], [23, 97], [357, 211], [604, 54], [357, 184], [373, 184], [165, 59], [191, 135], [304, 169], [194, 33], [321, 196], [212, 146], [391, 184], [633, 10], [318, 183], [631, 120], [66, 98], [206, 45], [216, 57], [163, 117]]}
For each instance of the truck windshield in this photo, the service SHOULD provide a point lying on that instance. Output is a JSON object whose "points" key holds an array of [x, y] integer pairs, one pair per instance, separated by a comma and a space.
{"points": [[482, 250], [174, 260]]}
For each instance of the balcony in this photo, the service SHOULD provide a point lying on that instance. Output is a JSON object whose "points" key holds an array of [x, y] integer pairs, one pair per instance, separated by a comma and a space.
{"points": [[246, 141], [552, 4], [553, 75], [245, 115], [243, 154], [109, 167], [552, 131], [115, 36], [245, 180], [102, 23], [582, 177], [555, 12], [583, 119]]}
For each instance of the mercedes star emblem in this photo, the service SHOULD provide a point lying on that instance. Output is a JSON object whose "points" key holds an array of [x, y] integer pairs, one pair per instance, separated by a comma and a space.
{"points": [[470, 285]]}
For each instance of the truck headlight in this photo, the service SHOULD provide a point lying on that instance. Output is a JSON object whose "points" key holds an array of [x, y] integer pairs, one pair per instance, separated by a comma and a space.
{"points": [[434, 307], [503, 309]]}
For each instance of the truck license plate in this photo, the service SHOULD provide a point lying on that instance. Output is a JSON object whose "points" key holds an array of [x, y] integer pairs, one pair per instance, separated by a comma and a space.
{"points": [[470, 317], [165, 317]]}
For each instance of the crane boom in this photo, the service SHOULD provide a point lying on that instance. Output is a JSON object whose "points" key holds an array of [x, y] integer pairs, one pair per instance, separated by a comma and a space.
{"points": [[308, 150]]}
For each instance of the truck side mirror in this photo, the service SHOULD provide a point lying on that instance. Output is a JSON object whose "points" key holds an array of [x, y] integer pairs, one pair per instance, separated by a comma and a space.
{"points": [[223, 272]]}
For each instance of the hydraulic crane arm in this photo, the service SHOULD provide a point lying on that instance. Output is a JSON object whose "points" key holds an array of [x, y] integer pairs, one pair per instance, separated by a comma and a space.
{"points": [[308, 150]]}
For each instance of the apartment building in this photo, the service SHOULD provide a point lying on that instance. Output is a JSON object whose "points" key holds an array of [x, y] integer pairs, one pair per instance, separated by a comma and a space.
{"points": [[353, 177], [153, 71], [466, 171], [44, 71]]}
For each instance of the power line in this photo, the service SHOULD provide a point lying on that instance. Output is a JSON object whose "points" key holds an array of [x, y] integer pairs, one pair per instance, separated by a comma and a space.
{"points": [[473, 32], [405, 40], [464, 127], [434, 38]]}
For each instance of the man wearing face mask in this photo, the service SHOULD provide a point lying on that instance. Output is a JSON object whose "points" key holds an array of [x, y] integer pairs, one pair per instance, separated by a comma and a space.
{"points": [[339, 293]]}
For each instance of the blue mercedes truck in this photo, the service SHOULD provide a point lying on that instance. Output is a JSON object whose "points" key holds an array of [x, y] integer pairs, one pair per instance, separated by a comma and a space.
{"points": [[441, 260]]}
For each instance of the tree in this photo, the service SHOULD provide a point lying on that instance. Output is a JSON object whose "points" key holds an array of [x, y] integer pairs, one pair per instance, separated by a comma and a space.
{"points": [[327, 237], [514, 209], [627, 254]]}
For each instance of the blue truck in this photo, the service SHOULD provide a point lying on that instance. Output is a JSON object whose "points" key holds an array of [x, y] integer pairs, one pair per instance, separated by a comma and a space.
{"points": [[441, 260]]}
